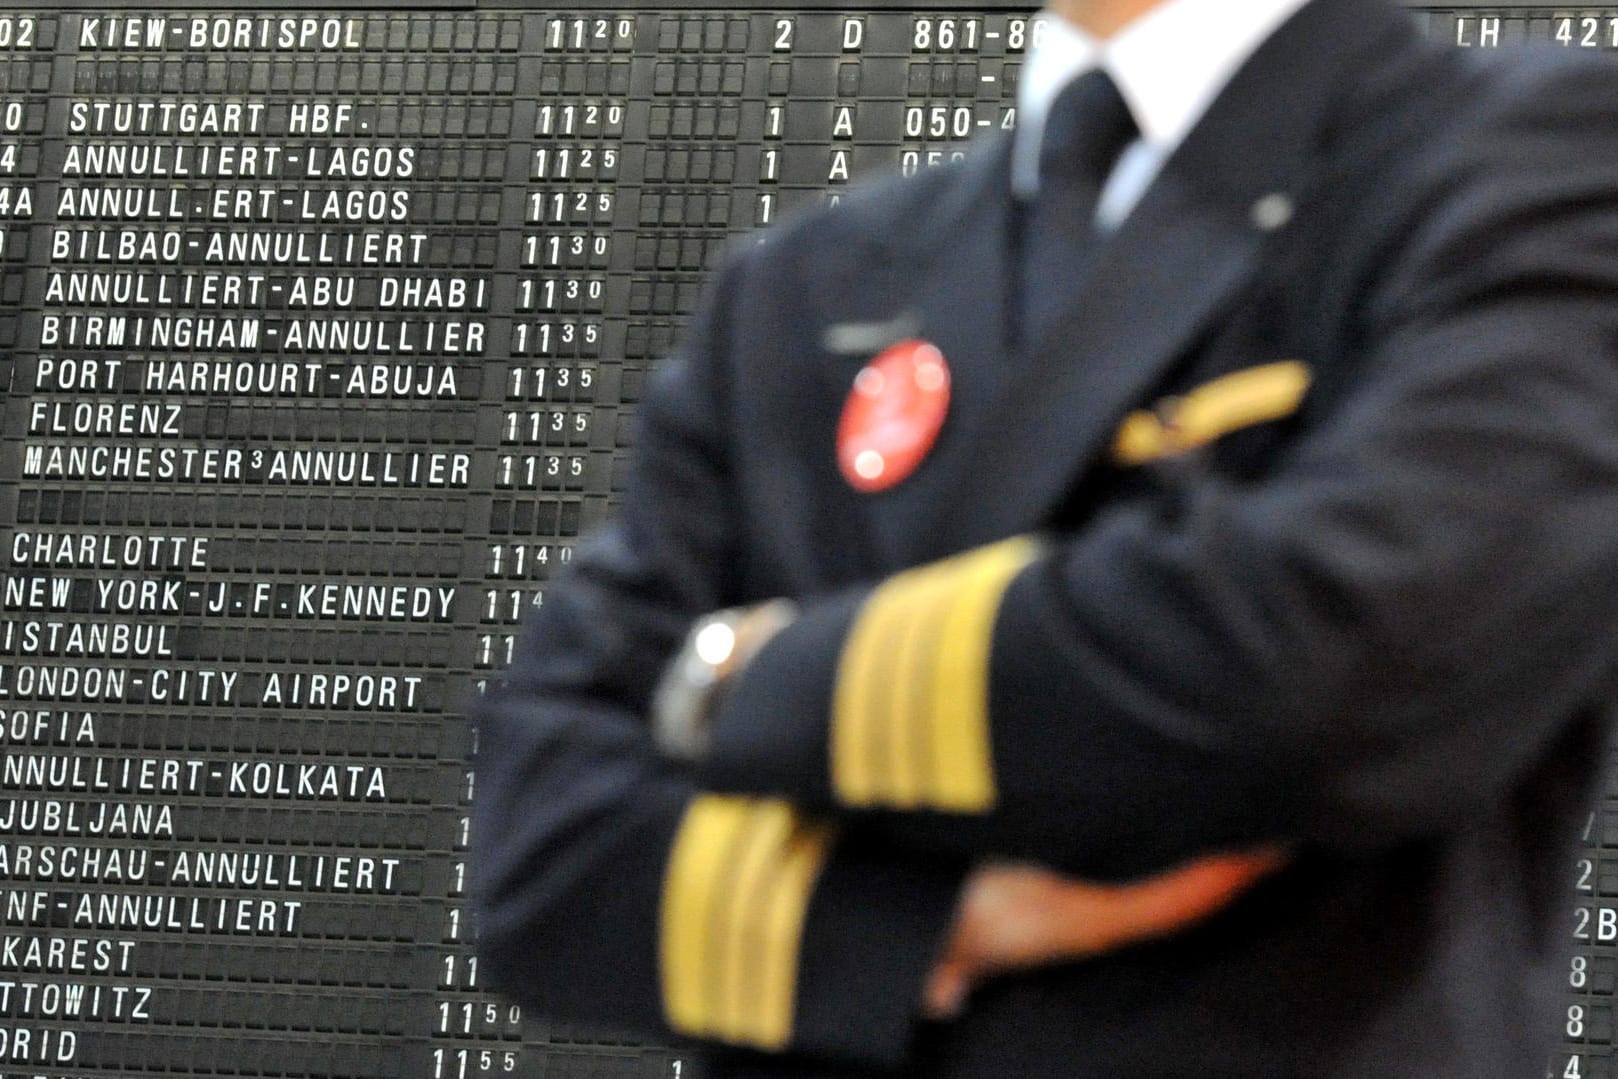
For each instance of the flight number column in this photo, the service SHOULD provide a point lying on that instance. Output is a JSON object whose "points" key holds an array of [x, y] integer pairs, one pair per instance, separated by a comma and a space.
{"points": [[1583, 29], [961, 82]]}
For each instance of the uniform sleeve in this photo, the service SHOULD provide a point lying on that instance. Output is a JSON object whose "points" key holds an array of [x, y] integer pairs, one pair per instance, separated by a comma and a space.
{"points": [[1373, 640], [611, 888]]}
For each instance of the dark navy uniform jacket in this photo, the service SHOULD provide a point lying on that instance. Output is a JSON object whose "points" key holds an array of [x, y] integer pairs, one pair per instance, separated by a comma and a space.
{"points": [[1301, 527]]}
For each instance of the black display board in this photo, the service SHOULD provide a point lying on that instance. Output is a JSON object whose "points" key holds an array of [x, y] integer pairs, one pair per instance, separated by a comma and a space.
{"points": [[320, 331]]}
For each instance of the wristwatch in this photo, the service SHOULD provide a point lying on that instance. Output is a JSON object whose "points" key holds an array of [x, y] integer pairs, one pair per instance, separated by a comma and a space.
{"points": [[692, 689]]}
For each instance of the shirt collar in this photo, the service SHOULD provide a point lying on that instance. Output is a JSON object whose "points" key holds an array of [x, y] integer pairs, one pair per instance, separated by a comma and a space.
{"points": [[1173, 61], [1169, 65]]}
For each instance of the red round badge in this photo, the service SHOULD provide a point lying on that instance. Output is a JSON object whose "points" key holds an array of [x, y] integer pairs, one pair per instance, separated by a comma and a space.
{"points": [[892, 415]]}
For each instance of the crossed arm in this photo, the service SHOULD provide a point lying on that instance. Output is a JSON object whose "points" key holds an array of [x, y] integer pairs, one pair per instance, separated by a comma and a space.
{"points": [[621, 887], [1011, 916]]}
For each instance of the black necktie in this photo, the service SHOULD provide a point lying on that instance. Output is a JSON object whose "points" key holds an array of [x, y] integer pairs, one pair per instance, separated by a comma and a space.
{"points": [[1087, 127]]}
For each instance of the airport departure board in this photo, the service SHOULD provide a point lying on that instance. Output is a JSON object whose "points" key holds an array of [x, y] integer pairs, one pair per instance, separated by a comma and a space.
{"points": [[321, 330]]}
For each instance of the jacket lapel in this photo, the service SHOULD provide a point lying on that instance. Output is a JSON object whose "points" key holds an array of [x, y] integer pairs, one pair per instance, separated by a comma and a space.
{"points": [[1158, 281], [965, 314], [918, 285], [1028, 433]]}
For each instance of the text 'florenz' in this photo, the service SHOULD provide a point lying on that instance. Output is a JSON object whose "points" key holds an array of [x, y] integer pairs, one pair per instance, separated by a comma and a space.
{"points": [[91, 417]]}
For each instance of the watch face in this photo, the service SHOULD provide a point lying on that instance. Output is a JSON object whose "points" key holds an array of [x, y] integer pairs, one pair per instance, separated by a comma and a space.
{"points": [[714, 642]]}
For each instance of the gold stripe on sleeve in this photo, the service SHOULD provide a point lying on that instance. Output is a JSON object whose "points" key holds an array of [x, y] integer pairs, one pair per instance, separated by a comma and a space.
{"points": [[959, 716], [862, 696], [735, 896], [910, 722], [902, 756], [764, 835], [784, 910], [703, 846]]}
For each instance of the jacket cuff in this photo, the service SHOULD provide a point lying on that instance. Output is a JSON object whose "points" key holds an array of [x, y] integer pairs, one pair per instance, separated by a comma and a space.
{"points": [[878, 699], [770, 734], [775, 935], [876, 926]]}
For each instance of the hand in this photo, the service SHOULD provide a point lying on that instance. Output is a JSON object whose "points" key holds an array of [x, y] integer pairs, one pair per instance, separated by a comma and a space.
{"points": [[1015, 916]]}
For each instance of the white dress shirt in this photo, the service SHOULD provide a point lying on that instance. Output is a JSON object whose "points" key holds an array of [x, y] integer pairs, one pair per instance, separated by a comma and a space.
{"points": [[1169, 65]]}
